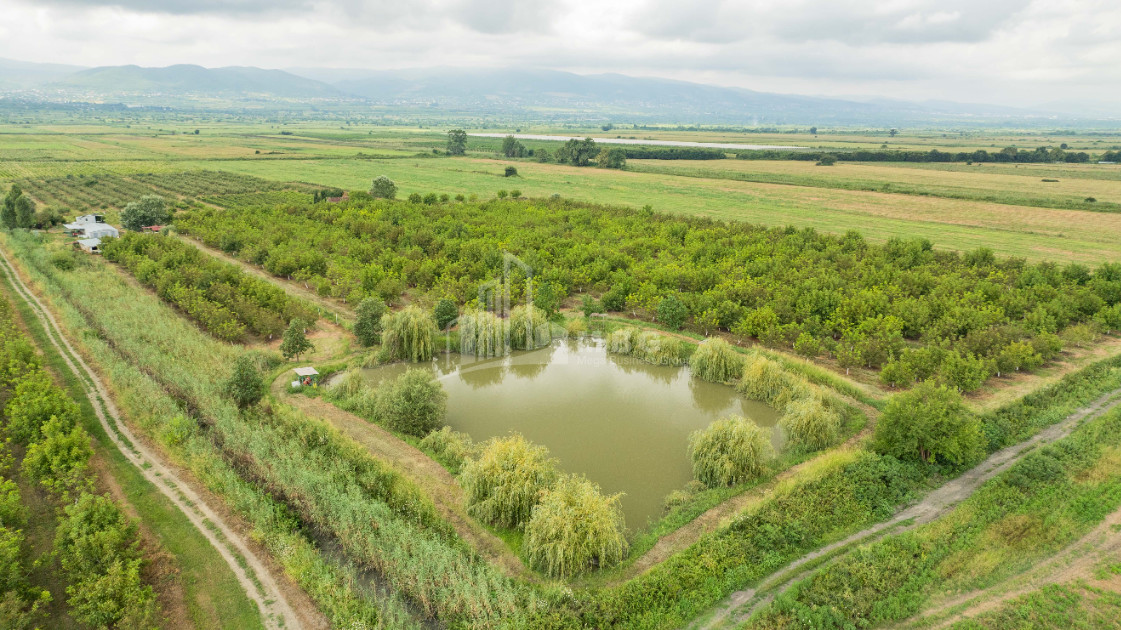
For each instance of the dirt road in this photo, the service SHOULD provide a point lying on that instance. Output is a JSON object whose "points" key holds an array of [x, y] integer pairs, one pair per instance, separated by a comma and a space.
{"points": [[250, 570]]}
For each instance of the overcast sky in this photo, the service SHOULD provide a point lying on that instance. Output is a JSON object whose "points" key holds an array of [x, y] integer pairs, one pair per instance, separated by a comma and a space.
{"points": [[996, 51]]}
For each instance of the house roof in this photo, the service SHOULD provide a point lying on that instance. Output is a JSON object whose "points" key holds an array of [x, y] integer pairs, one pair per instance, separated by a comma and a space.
{"points": [[306, 371], [89, 242]]}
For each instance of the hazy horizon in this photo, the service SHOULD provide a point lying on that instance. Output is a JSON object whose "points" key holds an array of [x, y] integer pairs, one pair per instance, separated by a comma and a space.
{"points": [[1007, 52]]}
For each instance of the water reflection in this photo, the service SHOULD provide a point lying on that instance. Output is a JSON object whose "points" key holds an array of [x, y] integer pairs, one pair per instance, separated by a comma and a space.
{"points": [[623, 423]]}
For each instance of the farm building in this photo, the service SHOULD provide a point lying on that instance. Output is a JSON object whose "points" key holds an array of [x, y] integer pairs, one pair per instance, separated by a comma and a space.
{"points": [[89, 245], [91, 226]]}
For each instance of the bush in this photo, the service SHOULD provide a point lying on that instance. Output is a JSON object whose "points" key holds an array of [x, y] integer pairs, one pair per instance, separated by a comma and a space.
{"points": [[34, 402], [729, 451], [414, 403], [367, 321], [63, 260], [451, 447], [507, 480], [659, 349], [245, 386], [445, 313], [810, 424], [383, 188], [408, 334], [766, 381], [574, 529], [672, 312], [715, 360], [576, 327], [511, 171], [59, 461], [929, 423]]}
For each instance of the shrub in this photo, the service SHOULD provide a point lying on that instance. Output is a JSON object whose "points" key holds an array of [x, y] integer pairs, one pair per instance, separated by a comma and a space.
{"points": [[590, 305], [482, 334], [502, 194], [729, 451], [511, 171], [515, 194], [622, 340], [452, 447], [383, 188], [244, 386], [507, 480], [367, 321], [672, 312], [715, 360], [929, 423], [659, 349], [576, 327], [415, 198], [35, 401], [766, 381], [575, 528], [445, 313], [529, 328], [810, 424], [827, 160], [413, 403], [63, 260], [59, 461], [408, 334]]}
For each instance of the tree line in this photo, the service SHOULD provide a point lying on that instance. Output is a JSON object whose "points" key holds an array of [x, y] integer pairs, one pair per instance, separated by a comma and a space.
{"points": [[1010, 155], [920, 312]]}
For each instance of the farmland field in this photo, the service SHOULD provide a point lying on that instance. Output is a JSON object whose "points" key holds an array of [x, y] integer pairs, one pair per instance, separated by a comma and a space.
{"points": [[797, 321]]}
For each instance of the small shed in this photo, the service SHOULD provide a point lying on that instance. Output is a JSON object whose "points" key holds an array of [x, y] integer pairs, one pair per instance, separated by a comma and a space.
{"points": [[307, 376], [89, 245]]}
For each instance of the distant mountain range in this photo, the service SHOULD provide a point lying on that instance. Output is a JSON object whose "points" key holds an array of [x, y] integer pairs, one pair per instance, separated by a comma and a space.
{"points": [[544, 94]]}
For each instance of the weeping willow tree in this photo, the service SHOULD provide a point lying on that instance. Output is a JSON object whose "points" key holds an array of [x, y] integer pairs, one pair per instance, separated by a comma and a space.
{"points": [[408, 334], [810, 424], [622, 341], [482, 334], [729, 451], [765, 380], [715, 360], [659, 349], [507, 480], [529, 328], [575, 528]]}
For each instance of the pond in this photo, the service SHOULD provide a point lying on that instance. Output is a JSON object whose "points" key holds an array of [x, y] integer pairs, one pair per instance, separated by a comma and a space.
{"points": [[619, 421]]}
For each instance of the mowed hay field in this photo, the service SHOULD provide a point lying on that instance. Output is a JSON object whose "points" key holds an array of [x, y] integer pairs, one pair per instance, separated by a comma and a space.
{"points": [[1005, 207]]}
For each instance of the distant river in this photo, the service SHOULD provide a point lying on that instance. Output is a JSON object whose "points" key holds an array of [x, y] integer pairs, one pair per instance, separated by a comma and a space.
{"points": [[656, 143]]}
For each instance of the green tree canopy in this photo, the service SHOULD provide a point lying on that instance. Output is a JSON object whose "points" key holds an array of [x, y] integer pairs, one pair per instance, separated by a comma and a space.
{"points": [[672, 312], [577, 152], [149, 210], [367, 322], [457, 142], [507, 480], [244, 385], [295, 342], [445, 313], [383, 188], [614, 157], [575, 528], [929, 423], [729, 451], [512, 148], [414, 403]]}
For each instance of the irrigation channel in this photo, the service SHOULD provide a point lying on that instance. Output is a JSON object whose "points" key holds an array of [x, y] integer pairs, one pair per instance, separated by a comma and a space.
{"points": [[621, 422], [645, 143], [250, 570]]}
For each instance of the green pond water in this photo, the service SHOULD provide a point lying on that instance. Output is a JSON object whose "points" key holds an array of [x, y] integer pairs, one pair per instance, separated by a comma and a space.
{"points": [[621, 422]]}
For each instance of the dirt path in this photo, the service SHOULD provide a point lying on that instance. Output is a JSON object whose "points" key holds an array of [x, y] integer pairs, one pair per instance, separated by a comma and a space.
{"points": [[251, 572], [1076, 562], [740, 605], [433, 479]]}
